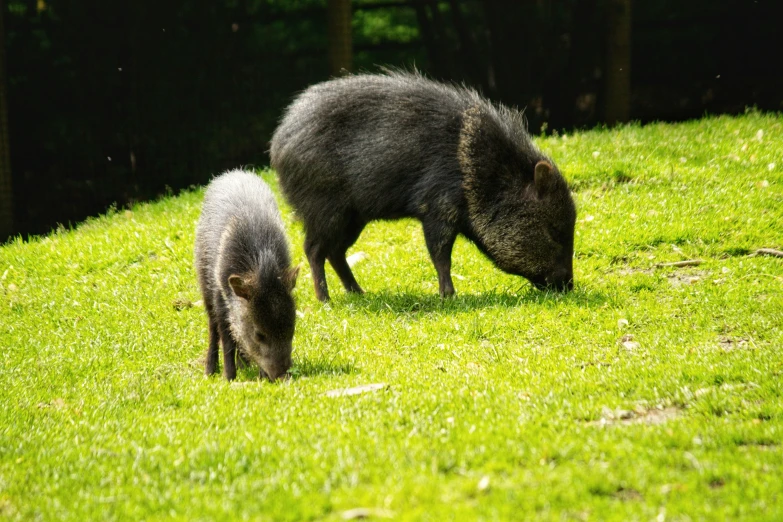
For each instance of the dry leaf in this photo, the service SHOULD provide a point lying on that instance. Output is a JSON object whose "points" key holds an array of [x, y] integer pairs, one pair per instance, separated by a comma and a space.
{"points": [[362, 513], [356, 390], [182, 303]]}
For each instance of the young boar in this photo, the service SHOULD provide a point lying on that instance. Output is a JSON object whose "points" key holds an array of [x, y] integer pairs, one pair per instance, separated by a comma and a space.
{"points": [[387, 146], [243, 267]]}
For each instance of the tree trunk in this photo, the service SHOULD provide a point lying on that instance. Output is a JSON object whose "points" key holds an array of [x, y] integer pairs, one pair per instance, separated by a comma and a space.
{"points": [[568, 83], [472, 64], [618, 61], [6, 189], [340, 39], [428, 35]]}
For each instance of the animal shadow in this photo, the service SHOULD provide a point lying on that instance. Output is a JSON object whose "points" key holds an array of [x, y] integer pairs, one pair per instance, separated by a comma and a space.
{"points": [[419, 302], [301, 368], [316, 367]]}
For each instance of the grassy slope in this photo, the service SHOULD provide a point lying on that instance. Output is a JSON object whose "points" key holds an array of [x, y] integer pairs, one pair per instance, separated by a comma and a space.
{"points": [[105, 414]]}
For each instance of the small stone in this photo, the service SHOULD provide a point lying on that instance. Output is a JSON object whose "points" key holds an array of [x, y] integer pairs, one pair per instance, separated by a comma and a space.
{"points": [[356, 258], [631, 345], [362, 513]]}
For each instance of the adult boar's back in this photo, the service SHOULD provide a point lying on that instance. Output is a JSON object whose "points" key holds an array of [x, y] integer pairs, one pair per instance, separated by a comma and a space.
{"points": [[386, 146]]}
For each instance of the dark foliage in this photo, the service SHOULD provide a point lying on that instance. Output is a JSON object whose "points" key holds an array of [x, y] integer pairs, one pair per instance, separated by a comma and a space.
{"points": [[112, 102]]}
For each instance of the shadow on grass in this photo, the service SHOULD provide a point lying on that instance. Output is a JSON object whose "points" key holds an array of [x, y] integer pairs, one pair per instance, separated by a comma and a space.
{"points": [[313, 368], [415, 302], [301, 368]]}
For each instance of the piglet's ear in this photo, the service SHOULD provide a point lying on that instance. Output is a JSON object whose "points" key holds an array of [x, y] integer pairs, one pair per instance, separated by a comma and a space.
{"points": [[289, 275], [240, 287], [544, 177]]}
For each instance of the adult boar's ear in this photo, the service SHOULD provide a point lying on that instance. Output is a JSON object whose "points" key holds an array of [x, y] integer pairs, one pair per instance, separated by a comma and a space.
{"points": [[544, 178], [289, 275], [240, 287]]}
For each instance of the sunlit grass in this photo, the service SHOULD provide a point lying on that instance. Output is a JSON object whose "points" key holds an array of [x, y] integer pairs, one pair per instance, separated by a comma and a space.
{"points": [[647, 392]]}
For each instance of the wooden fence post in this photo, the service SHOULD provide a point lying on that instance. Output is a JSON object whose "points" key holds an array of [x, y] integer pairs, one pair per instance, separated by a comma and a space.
{"points": [[340, 37]]}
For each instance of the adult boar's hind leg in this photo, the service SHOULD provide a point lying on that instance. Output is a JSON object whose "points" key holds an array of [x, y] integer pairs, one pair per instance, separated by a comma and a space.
{"points": [[350, 234], [211, 360], [316, 257], [440, 239], [229, 352]]}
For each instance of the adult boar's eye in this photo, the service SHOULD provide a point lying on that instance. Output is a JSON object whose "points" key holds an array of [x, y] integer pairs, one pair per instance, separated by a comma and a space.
{"points": [[260, 337]]}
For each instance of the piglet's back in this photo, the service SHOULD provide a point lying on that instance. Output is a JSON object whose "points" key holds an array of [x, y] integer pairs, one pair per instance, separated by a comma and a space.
{"points": [[239, 219]]}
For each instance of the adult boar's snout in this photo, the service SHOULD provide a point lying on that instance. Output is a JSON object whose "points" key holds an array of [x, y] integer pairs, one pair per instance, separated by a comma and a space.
{"points": [[561, 280]]}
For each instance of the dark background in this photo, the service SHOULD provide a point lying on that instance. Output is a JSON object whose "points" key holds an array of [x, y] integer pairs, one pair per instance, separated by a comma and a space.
{"points": [[113, 102]]}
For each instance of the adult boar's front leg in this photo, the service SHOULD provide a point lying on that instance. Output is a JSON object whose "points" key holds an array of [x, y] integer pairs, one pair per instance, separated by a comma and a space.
{"points": [[440, 239]]}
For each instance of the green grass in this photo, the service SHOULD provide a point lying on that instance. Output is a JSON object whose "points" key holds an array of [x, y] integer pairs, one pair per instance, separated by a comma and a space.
{"points": [[502, 403]]}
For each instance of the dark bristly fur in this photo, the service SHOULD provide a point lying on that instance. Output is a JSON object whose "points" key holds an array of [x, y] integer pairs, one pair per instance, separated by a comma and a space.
{"points": [[243, 266], [369, 147]]}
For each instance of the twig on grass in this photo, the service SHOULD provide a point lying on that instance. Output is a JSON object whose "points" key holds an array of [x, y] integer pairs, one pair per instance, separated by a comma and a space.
{"points": [[677, 264], [769, 252]]}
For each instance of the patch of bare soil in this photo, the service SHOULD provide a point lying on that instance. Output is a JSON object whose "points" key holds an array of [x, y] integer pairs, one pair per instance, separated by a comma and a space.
{"points": [[639, 415], [627, 494], [763, 446], [690, 278], [726, 386], [729, 344], [630, 271]]}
